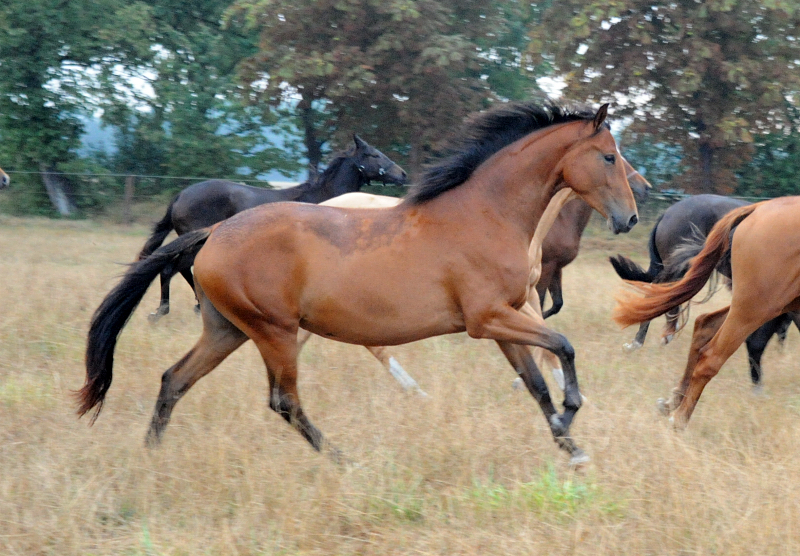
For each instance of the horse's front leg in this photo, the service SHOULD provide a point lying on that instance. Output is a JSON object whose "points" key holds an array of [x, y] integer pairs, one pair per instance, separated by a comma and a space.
{"points": [[506, 324], [521, 359]]}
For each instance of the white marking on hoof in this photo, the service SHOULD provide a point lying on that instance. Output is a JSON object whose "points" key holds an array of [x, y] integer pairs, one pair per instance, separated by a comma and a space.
{"points": [[517, 384], [661, 403], [579, 458], [401, 376], [758, 389], [632, 346], [558, 375], [667, 339]]}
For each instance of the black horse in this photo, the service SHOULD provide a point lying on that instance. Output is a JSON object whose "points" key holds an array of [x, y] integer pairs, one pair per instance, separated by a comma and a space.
{"points": [[206, 203], [677, 236]]}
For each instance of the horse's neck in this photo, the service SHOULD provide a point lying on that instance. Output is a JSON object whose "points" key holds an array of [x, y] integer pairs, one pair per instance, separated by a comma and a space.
{"points": [[557, 202], [520, 180], [345, 179]]}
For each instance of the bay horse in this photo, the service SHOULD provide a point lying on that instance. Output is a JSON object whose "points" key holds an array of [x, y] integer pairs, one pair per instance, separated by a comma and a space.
{"points": [[762, 242], [4, 179], [681, 226], [208, 202], [559, 248], [452, 257]]}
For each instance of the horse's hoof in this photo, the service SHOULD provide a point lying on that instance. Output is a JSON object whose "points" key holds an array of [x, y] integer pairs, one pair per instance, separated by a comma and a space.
{"points": [[421, 393], [758, 389], [197, 309], [517, 384], [154, 317], [667, 339], [579, 457], [556, 426], [663, 407], [632, 346]]}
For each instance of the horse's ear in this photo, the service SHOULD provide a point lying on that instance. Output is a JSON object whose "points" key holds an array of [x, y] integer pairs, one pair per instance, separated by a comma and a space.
{"points": [[360, 143], [600, 117]]}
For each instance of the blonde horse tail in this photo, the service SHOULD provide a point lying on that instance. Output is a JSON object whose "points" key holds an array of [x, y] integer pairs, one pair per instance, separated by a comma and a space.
{"points": [[660, 298]]}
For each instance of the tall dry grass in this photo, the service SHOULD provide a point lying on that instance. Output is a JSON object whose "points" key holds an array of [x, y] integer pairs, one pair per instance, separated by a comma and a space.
{"points": [[470, 470]]}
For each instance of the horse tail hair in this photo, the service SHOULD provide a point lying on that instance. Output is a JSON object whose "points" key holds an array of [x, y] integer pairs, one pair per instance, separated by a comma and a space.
{"points": [[660, 298], [629, 270], [113, 313], [161, 230]]}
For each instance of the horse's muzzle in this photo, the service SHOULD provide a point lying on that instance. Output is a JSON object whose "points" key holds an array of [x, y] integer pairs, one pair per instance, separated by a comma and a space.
{"points": [[622, 225]]}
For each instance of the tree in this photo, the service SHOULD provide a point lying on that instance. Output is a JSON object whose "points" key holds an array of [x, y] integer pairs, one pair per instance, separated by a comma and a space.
{"points": [[705, 76], [48, 51], [401, 73]]}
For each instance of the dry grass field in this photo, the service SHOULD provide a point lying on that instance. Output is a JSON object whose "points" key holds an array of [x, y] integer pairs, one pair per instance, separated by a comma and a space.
{"points": [[470, 470]]}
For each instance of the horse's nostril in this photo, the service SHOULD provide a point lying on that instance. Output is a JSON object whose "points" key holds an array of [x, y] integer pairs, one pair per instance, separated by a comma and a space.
{"points": [[632, 222]]}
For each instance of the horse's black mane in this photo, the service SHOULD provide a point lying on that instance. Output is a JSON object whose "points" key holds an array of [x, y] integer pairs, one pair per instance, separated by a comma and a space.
{"points": [[326, 175], [482, 136]]}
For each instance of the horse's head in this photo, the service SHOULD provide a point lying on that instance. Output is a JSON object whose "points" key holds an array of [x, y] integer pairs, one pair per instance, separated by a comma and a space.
{"points": [[640, 186], [4, 179], [374, 165], [595, 170]]}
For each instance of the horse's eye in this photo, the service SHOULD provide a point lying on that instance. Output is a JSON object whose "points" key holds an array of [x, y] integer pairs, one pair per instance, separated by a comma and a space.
{"points": [[610, 158]]}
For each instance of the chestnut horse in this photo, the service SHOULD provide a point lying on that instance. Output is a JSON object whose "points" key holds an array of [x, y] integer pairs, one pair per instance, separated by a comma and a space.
{"points": [[4, 179], [208, 202], [452, 257], [762, 242]]}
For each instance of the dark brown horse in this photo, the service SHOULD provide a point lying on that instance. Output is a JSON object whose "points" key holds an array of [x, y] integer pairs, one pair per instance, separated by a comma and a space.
{"points": [[205, 203], [676, 238], [452, 257], [762, 244]]}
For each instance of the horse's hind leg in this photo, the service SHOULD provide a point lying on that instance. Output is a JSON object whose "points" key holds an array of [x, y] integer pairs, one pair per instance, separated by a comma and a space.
{"points": [[163, 306], [672, 325], [521, 359], [391, 364], [279, 348], [757, 342], [219, 339], [705, 327], [638, 341], [187, 275]]}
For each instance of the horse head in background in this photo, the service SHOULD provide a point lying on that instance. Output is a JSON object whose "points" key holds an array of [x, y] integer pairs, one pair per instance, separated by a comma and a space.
{"points": [[4, 179]]}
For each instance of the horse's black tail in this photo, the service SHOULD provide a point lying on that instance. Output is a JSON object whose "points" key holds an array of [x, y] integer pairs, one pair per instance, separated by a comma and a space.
{"points": [[113, 313], [161, 230], [629, 270]]}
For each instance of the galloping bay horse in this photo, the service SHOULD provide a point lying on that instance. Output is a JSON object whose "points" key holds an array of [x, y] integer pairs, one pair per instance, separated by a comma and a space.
{"points": [[676, 237], [205, 203], [558, 249], [762, 242], [452, 257]]}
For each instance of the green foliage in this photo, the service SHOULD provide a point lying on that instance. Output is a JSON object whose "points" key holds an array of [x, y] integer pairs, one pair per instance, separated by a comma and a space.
{"points": [[705, 76], [774, 168]]}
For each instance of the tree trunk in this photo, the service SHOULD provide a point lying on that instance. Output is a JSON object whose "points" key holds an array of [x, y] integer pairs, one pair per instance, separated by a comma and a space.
{"points": [[310, 138], [58, 190], [706, 165]]}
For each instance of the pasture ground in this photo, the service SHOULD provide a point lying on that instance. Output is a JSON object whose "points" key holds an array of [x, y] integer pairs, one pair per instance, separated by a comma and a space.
{"points": [[470, 470]]}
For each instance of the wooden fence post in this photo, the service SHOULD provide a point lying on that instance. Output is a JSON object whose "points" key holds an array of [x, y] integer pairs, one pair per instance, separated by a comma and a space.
{"points": [[128, 199]]}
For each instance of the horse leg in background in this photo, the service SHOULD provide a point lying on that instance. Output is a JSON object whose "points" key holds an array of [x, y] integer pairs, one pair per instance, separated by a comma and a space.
{"points": [[555, 294], [187, 275], [792, 317], [521, 359], [705, 326], [386, 359], [730, 327], [638, 341], [757, 342], [163, 307], [672, 325], [220, 338]]}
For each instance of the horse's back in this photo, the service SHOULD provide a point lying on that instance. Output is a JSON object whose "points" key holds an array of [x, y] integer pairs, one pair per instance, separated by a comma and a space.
{"points": [[683, 220], [207, 202]]}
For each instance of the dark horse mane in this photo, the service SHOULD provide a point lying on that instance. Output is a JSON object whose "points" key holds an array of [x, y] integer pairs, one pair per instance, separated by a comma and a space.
{"points": [[482, 136], [326, 175]]}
